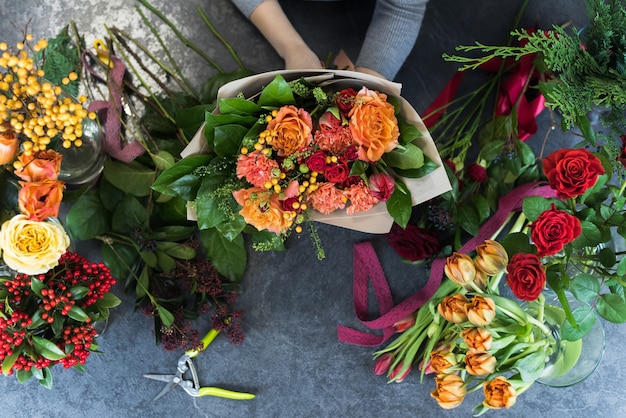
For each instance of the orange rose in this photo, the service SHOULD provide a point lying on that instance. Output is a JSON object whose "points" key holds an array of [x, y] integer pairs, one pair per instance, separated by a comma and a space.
{"points": [[454, 308], [8, 147], [39, 200], [480, 363], [449, 391], [477, 338], [41, 165], [262, 210], [291, 130], [373, 125], [499, 393]]}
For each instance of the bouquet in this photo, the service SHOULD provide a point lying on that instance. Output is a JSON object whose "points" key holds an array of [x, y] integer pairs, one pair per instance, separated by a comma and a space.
{"points": [[324, 148]]}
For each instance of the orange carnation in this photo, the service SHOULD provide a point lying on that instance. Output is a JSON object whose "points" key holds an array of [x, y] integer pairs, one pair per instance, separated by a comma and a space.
{"points": [[327, 198], [256, 168], [262, 210], [291, 130], [373, 124], [361, 199], [39, 200], [41, 165]]}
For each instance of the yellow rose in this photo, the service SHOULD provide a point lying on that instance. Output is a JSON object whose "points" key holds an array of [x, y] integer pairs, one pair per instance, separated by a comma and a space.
{"points": [[32, 247], [373, 125]]}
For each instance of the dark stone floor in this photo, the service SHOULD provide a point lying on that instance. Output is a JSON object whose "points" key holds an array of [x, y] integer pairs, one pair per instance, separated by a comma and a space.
{"points": [[291, 357]]}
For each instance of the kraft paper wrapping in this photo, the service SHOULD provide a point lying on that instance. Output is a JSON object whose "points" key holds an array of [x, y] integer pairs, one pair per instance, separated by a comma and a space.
{"points": [[376, 220]]}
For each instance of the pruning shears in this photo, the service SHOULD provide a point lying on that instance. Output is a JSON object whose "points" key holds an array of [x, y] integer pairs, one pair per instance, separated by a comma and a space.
{"points": [[192, 387]]}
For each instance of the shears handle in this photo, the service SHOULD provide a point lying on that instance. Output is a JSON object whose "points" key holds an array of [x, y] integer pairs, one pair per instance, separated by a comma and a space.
{"points": [[208, 338], [224, 393]]}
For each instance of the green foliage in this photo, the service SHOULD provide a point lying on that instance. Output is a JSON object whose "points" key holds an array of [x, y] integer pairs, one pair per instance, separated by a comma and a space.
{"points": [[60, 58]]}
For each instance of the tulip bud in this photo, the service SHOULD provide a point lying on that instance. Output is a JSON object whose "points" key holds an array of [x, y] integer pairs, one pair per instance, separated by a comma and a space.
{"points": [[477, 338], [404, 324], [449, 391], [482, 311], [442, 361], [381, 186], [382, 363], [398, 375], [454, 308], [491, 258], [499, 393], [460, 269], [9, 145], [479, 363]]}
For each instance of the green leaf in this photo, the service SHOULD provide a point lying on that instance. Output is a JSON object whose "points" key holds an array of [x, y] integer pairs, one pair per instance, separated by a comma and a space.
{"points": [[228, 256], [133, 178], [408, 132], [129, 215], [177, 250], [590, 236], [227, 139], [143, 283], [149, 258], [277, 93], [585, 287], [166, 263], [172, 233], [179, 180], [468, 218], [428, 167], [406, 157], [531, 366], [109, 300], [585, 317], [492, 149], [162, 160], [37, 286], [612, 307], [120, 259], [399, 204], [534, 206], [238, 106], [208, 92], [516, 242], [166, 316], [47, 348], [87, 218], [79, 292], [9, 361], [525, 153], [482, 207], [78, 314]]}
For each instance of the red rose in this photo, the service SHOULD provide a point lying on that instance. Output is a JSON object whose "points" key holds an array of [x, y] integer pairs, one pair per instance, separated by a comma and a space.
{"points": [[477, 172], [351, 154], [337, 172], [572, 171], [316, 162], [552, 230], [525, 276], [413, 243], [345, 100]]}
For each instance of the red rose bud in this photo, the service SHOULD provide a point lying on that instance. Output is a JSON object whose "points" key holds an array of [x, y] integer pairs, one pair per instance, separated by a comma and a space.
{"points": [[382, 186], [554, 229], [337, 172], [477, 172], [345, 100], [525, 276], [316, 161], [382, 363], [572, 171]]}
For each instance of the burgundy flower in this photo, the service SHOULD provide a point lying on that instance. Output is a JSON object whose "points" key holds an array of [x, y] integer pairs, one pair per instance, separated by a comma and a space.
{"points": [[345, 100], [413, 243], [316, 162], [382, 186], [351, 154], [477, 172]]}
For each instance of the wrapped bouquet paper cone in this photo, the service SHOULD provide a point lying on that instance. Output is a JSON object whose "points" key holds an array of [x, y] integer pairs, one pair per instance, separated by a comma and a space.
{"points": [[376, 220]]}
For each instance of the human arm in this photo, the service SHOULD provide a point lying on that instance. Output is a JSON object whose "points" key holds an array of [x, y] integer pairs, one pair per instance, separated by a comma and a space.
{"points": [[390, 36], [271, 21]]}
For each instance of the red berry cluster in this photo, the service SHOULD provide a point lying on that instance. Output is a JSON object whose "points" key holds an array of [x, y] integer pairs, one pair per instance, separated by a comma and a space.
{"points": [[81, 272], [81, 339], [12, 336]]}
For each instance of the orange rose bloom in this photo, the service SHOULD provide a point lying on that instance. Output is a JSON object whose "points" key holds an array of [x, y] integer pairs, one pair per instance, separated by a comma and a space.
{"points": [[262, 209], [41, 165], [499, 393], [373, 125], [39, 200], [8, 147], [291, 130]]}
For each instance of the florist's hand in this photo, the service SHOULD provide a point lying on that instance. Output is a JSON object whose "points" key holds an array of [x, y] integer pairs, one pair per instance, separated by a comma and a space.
{"points": [[300, 58]]}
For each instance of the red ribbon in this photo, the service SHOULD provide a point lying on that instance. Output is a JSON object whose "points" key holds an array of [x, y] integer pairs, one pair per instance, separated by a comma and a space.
{"points": [[367, 266], [110, 111]]}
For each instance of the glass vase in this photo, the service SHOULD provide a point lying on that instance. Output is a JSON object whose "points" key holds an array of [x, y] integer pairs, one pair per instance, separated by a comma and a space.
{"points": [[82, 165], [571, 361]]}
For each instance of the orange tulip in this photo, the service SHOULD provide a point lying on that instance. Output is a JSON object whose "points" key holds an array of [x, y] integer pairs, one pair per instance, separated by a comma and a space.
{"points": [[491, 258], [442, 361], [499, 393], [477, 338], [454, 308], [460, 269], [482, 311], [480, 363], [449, 391]]}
